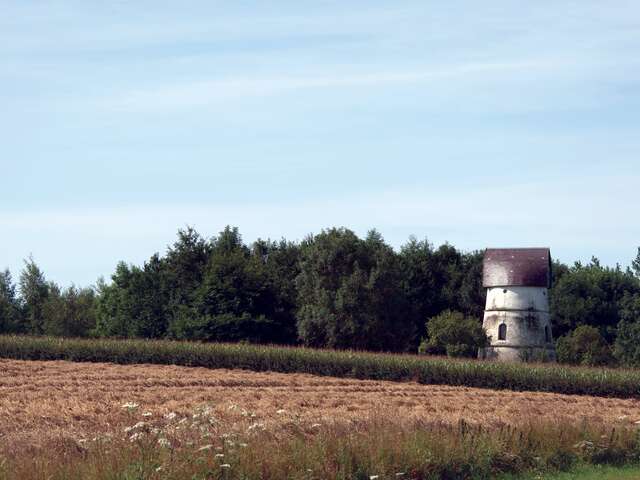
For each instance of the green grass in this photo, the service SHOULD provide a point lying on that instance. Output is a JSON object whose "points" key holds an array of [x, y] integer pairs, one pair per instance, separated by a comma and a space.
{"points": [[361, 365], [590, 472]]}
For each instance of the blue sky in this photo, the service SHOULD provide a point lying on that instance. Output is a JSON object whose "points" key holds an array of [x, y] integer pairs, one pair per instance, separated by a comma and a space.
{"points": [[492, 124]]}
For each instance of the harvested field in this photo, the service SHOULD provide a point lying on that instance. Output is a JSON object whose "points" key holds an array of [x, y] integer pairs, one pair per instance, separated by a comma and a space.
{"points": [[41, 401]]}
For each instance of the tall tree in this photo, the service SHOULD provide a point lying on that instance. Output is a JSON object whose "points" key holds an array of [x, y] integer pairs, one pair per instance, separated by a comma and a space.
{"points": [[635, 264], [350, 293], [234, 301], [34, 291], [591, 295], [10, 313]]}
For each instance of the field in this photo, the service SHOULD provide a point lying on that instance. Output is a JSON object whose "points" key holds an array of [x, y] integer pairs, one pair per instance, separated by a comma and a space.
{"points": [[60, 413], [604, 382]]}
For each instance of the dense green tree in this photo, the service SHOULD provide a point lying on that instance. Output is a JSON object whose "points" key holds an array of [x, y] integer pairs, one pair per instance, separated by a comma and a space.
{"points": [[591, 295], [440, 279], [135, 303], [10, 312], [281, 266], [584, 346], [235, 300], [453, 334], [635, 264], [34, 291], [350, 293], [184, 267]]}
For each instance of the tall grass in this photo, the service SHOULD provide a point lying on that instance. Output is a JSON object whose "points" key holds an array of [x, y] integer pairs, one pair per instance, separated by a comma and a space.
{"points": [[380, 449], [619, 383]]}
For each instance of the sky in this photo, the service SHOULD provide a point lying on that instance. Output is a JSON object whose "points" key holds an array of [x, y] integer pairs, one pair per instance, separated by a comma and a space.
{"points": [[481, 124]]}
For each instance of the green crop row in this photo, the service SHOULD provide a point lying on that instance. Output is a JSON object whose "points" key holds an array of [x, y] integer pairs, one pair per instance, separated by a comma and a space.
{"points": [[620, 383]]}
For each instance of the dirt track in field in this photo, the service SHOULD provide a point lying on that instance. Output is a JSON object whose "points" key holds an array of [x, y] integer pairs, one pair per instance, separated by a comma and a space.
{"points": [[45, 400]]}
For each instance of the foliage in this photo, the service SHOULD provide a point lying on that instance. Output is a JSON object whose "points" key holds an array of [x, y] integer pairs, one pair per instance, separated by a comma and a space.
{"points": [[349, 364], [333, 289], [350, 293], [455, 335], [34, 291], [584, 346], [591, 295], [10, 314]]}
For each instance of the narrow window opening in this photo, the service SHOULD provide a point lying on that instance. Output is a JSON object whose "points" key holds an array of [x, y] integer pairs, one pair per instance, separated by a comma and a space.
{"points": [[502, 332], [547, 334]]}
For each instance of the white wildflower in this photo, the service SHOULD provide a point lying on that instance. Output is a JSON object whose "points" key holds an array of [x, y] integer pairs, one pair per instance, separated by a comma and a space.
{"points": [[316, 425], [163, 442], [225, 465], [136, 436], [219, 455], [159, 469], [374, 477], [243, 445], [205, 447], [147, 414], [170, 416], [130, 406], [137, 426], [281, 411]]}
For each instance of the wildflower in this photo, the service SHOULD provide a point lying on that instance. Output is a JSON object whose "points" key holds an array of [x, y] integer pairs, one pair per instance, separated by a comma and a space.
{"points": [[147, 414], [136, 436], [135, 427], [225, 465], [374, 477], [219, 455], [316, 425], [130, 406], [205, 447], [163, 442], [281, 411], [170, 416], [243, 445], [159, 469]]}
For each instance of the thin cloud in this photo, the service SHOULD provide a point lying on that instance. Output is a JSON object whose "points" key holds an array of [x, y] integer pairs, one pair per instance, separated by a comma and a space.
{"points": [[207, 92]]}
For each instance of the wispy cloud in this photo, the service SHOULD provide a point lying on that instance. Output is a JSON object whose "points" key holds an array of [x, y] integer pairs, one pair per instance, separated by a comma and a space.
{"points": [[203, 93]]}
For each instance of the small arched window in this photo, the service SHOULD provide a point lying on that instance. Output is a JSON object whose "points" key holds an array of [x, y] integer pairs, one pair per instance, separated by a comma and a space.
{"points": [[502, 332], [547, 334]]}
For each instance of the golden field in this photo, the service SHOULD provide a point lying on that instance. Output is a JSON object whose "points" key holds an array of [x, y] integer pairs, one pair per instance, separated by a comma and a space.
{"points": [[44, 402]]}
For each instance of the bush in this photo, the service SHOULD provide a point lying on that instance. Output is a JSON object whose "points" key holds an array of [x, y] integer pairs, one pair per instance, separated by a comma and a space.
{"points": [[627, 346], [453, 334], [584, 346]]}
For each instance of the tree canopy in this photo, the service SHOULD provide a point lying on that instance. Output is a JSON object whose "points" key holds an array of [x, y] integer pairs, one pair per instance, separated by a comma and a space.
{"points": [[333, 289]]}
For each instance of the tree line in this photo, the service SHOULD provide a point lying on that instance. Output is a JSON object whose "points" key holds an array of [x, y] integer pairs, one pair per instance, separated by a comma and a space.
{"points": [[332, 290]]}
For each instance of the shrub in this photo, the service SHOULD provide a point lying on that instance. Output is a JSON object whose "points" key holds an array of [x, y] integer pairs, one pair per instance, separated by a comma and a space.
{"points": [[455, 335], [584, 346]]}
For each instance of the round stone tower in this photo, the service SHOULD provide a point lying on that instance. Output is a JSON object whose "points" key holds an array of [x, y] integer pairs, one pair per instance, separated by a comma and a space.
{"points": [[516, 316]]}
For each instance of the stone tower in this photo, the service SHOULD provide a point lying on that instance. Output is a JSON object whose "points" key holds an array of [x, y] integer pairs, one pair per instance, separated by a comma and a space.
{"points": [[516, 316]]}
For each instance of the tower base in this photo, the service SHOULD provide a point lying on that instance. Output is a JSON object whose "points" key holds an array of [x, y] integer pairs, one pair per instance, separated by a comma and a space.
{"points": [[513, 353]]}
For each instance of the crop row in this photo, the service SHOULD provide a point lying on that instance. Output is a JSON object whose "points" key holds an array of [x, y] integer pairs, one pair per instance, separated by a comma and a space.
{"points": [[620, 383]]}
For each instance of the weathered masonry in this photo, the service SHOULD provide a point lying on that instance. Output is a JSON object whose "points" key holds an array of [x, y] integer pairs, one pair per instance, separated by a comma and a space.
{"points": [[516, 316]]}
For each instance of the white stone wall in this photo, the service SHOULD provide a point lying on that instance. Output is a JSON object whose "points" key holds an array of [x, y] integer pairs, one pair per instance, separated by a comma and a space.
{"points": [[525, 312]]}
